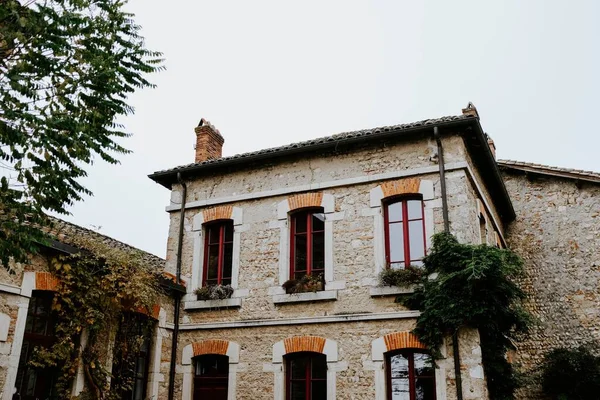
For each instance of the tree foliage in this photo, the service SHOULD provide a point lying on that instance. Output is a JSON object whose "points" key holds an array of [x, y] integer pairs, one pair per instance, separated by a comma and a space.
{"points": [[472, 286], [66, 69], [97, 288], [571, 374]]}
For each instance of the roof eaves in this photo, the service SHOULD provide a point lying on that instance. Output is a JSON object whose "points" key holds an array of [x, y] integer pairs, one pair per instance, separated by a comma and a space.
{"points": [[548, 170]]}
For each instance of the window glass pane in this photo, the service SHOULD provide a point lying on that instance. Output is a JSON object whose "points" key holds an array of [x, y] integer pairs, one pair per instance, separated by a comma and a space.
{"points": [[424, 389], [318, 222], [395, 212], [43, 306], [213, 262], [213, 234], [300, 221], [212, 366], [39, 326], [423, 365], [227, 260], [298, 367], [319, 390], [399, 366], [396, 242], [298, 390], [229, 231], [318, 251], [300, 253], [415, 209], [319, 367], [397, 265], [400, 389], [415, 234], [138, 390]]}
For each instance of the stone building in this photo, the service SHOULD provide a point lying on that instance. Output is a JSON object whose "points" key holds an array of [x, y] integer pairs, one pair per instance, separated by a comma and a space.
{"points": [[27, 322], [295, 239], [340, 209]]}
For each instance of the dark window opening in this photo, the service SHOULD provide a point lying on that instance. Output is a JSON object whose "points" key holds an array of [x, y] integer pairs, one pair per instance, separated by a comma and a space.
{"points": [[131, 358], [211, 377], [306, 376], [36, 383], [404, 232], [307, 255], [218, 253], [410, 376]]}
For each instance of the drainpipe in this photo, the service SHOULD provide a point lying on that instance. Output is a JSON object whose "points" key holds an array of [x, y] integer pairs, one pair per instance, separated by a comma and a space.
{"points": [[177, 303], [455, 347]]}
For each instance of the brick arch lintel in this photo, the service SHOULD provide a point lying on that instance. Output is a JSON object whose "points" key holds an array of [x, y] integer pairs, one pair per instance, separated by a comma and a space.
{"points": [[394, 341], [211, 346], [398, 187], [304, 200], [296, 344], [216, 213]]}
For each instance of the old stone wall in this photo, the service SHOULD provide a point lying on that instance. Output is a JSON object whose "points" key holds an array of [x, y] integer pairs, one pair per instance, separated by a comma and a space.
{"points": [[356, 371], [557, 233]]}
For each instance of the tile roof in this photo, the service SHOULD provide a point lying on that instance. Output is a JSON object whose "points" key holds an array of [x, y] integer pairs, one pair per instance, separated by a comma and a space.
{"points": [[66, 232], [579, 174], [308, 144]]}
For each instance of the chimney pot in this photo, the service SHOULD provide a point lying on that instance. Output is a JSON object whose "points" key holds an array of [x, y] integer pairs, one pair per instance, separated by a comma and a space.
{"points": [[209, 142]]}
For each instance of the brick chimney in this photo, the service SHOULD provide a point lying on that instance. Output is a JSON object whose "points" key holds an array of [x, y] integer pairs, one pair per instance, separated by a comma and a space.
{"points": [[470, 110], [209, 142]]}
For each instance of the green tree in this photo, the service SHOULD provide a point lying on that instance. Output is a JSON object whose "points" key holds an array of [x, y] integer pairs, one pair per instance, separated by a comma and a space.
{"points": [[66, 69]]}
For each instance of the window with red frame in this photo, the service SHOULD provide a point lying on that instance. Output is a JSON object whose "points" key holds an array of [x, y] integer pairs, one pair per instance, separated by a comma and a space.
{"points": [[404, 232], [306, 376], [218, 253], [307, 255], [211, 377], [410, 376]]}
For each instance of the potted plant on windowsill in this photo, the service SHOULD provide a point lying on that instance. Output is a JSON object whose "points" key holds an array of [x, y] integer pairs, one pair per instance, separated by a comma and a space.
{"points": [[306, 284], [214, 292], [404, 277]]}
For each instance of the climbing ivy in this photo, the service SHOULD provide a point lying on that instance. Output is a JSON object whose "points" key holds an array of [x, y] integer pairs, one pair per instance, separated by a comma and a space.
{"points": [[97, 287], [472, 286]]}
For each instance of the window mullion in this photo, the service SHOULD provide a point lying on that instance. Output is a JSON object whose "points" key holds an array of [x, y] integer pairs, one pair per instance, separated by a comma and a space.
{"points": [[309, 244], [406, 234], [411, 376], [221, 254], [307, 376]]}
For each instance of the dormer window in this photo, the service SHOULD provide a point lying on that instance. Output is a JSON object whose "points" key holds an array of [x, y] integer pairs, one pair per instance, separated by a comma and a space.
{"points": [[404, 232], [307, 251], [218, 253]]}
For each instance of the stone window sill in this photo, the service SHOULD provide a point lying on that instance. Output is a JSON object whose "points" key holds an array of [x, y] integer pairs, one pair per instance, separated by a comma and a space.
{"points": [[208, 304], [324, 295], [381, 291]]}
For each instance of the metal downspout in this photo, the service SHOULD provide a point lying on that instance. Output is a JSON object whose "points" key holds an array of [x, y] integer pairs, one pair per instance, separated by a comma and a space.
{"points": [[177, 303], [455, 345]]}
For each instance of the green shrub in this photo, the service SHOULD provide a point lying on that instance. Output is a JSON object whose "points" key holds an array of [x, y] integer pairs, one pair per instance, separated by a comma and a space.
{"points": [[571, 374], [214, 292], [401, 277]]}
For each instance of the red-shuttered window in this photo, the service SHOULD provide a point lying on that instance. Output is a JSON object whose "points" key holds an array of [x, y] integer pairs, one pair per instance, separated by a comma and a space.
{"points": [[218, 253], [410, 376], [307, 255], [404, 232]]}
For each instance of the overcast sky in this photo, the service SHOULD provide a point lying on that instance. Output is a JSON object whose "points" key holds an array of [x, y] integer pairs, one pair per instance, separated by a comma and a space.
{"points": [[266, 73]]}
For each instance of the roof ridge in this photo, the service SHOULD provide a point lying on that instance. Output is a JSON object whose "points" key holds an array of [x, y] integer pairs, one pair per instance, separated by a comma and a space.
{"points": [[331, 138]]}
